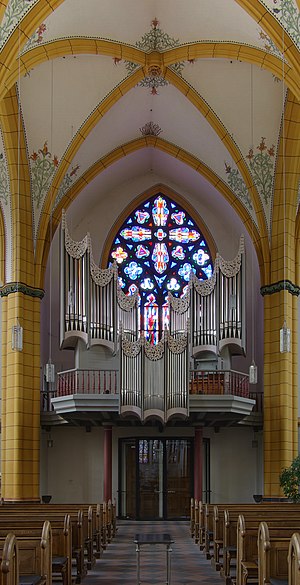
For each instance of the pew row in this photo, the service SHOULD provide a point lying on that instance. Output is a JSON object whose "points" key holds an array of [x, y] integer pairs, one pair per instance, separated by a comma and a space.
{"points": [[294, 560], [9, 566], [61, 540], [34, 555]]}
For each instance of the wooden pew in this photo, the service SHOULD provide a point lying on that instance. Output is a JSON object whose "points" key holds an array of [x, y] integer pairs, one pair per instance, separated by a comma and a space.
{"points": [[61, 534], [256, 512], [192, 517], [34, 553], [9, 567], [274, 552], [262, 548], [294, 560], [40, 512]]}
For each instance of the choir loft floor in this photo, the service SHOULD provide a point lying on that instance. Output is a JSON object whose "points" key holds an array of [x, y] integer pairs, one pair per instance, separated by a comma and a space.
{"points": [[117, 564]]}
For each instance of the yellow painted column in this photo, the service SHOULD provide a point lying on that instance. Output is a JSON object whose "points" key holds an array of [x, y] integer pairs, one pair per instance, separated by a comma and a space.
{"points": [[20, 444], [280, 385]]}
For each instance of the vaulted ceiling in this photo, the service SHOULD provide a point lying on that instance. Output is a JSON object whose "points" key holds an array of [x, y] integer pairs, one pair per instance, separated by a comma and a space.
{"points": [[95, 93]]}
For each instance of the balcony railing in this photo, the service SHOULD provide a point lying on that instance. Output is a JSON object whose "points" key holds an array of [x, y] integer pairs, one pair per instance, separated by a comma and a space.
{"points": [[219, 382], [87, 382], [215, 382]]}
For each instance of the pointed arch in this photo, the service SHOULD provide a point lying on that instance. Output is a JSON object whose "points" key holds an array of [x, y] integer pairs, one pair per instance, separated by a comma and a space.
{"points": [[200, 50], [286, 193], [16, 154], [148, 193], [273, 28], [2, 248], [20, 35], [261, 244]]}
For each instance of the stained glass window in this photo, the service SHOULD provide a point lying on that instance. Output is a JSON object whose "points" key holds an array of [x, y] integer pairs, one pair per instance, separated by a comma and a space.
{"points": [[156, 249]]}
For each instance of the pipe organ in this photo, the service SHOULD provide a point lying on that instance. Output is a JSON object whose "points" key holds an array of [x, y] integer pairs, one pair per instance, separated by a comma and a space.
{"points": [[154, 378], [215, 308]]}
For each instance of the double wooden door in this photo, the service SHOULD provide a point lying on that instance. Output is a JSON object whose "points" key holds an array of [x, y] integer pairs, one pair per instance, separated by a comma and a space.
{"points": [[155, 478]]}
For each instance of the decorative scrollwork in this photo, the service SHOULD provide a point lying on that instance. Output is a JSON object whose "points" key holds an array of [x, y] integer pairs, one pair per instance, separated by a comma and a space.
{"points": [[155, 352], [180, 304], [100, 276], [126, 302], [132, 348], [177, 344], [230, 268], [204, 287], [74, 249]]}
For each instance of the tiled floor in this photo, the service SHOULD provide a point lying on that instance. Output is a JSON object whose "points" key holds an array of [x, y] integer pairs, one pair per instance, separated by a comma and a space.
{"points": [[117, 564]]}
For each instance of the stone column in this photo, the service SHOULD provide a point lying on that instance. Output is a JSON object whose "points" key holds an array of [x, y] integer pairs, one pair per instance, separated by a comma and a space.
{"points": [[20, 444], [107, 488], [198, 462]]}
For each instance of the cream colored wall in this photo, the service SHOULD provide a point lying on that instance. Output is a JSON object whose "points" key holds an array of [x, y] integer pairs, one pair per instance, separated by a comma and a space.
{"points": [[72, 470], [236, 464]]}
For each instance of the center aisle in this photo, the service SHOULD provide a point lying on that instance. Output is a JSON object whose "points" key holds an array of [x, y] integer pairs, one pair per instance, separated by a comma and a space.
{"points": [[117, 564]]}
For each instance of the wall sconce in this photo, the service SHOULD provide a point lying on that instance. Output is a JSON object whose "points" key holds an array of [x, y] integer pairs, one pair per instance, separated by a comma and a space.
{"points": [[49, 372], [285, 339], [17, 337], [253, 373]]}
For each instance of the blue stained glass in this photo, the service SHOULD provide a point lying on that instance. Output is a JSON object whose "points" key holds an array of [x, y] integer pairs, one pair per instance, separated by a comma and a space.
{"points": [[178, 217], [142, 216], [160, 281], [207, 271], [160, 234], [173, 285], [132, 288], [183, 235], [160, 211], [142, 252], [185, 270], [160, 258], [147, 284], [162, 245], [200, 257], [178, 252], [133, 270]]}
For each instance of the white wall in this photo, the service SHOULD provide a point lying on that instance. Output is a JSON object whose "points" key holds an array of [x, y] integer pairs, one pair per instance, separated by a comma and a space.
{"points": [[236, 465], [72, 470]]}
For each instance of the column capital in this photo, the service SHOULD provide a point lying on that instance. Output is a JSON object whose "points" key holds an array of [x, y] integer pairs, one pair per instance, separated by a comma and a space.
{"points": [[279, 286], [21, 287]]}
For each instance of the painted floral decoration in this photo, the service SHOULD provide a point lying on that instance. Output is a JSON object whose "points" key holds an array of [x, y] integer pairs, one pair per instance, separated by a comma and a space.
{"points": [[15, 10], [4, 182], [261, 164], [37, 38], [66, 184], [155, 40], [288, 14], [43, 166], [238, 186], [150, 129]]}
